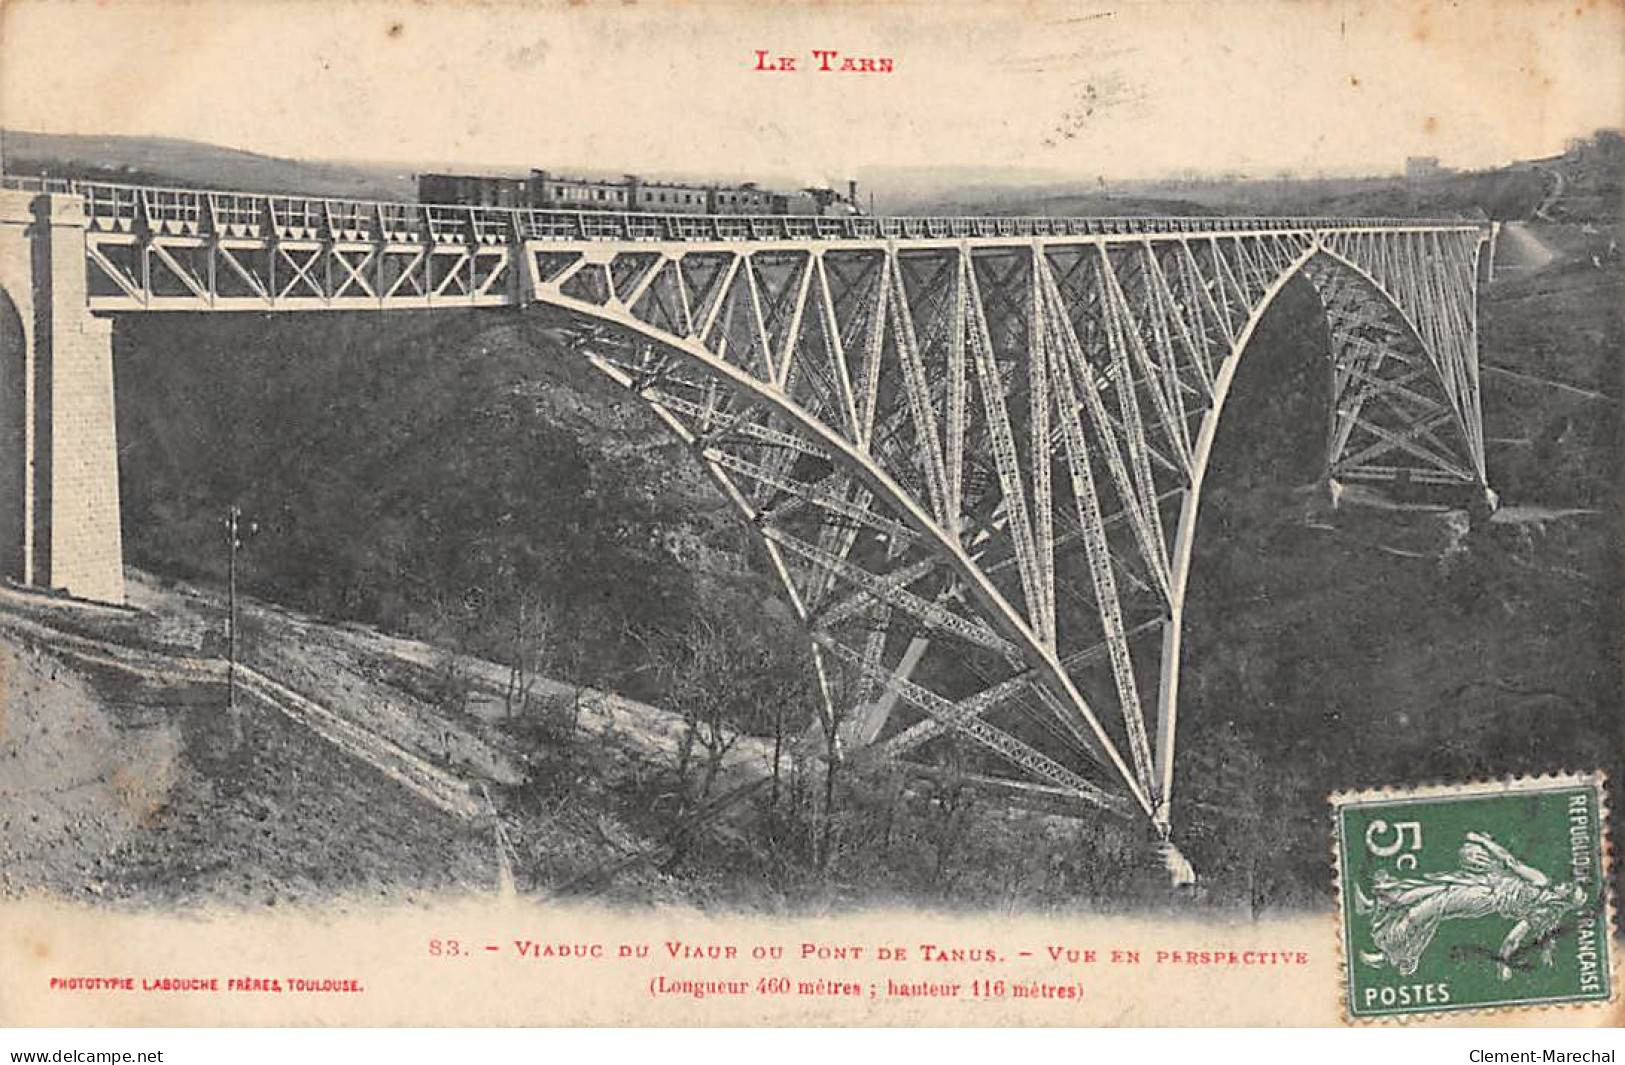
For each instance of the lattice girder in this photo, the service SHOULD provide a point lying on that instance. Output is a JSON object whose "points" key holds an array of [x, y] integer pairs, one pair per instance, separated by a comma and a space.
{"points": [[977, 465]]}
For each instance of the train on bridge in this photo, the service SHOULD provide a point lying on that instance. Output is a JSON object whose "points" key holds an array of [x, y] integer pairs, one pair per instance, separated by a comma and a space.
{"points": [[631, 193]]}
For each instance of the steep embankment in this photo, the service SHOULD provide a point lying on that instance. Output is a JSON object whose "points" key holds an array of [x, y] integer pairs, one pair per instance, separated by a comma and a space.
{"points": [[123, 776], [409, 471]]}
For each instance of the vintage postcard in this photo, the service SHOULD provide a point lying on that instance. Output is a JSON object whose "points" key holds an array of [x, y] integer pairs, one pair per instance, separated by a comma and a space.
{"points": [[540, 513]]}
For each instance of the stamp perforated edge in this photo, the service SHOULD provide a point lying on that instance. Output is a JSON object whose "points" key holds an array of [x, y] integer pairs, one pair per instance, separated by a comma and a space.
{"points": [[1505, 785]]}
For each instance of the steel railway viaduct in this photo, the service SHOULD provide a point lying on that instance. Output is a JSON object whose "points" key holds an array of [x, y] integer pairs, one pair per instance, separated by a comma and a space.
{"points": [[972, 448]]}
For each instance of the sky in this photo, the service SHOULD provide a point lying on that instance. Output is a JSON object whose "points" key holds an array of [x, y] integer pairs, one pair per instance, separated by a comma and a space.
{"points": [[1077, 90]]}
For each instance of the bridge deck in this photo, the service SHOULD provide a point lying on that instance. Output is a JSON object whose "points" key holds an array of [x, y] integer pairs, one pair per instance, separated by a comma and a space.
{"points": [[119, 208]]}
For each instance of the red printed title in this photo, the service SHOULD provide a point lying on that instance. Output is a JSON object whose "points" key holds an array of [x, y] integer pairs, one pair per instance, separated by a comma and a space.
{"points": [[822, 61]]}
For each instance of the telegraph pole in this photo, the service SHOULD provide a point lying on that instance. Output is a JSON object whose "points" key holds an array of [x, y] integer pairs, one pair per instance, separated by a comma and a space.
{"points": [[233, 514], [234, 542]]}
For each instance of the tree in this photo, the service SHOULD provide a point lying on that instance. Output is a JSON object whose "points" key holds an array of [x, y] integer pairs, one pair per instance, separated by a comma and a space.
{"points": [[839, 714], [702, 669], [845, 691], [530, 650], [952, 800]]}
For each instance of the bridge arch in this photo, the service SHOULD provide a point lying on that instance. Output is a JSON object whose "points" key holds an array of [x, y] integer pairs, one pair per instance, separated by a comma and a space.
{"points": [[1185, 535], [1335, 280], [929, 319]]}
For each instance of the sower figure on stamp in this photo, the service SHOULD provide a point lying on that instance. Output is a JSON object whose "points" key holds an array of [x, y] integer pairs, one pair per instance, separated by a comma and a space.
{"points": [[1405, 913]]}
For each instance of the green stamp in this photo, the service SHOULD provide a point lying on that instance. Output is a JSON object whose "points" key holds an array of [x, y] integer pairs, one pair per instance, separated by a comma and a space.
{"points": [[1475, 896]]}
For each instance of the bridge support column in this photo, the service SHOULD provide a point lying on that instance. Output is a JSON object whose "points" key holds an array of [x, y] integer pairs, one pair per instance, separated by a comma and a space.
{"points": [[59, 491], [1488, 258]]}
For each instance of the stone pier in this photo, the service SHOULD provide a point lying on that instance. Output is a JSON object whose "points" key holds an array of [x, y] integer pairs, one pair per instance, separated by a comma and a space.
{"points": [[59, 489]]}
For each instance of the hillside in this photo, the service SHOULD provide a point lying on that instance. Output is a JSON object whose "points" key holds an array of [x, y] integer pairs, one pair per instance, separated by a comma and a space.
{"points": [[1585, 182], [172, 161], [128, 781], [404, 470]]}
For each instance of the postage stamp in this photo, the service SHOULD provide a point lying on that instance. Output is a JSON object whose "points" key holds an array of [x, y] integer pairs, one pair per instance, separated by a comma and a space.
{"points": [[1474, 896]]}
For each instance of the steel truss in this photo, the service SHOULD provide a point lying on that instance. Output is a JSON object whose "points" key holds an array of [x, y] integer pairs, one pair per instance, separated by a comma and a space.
{"points": [[973, 448], [986, 516]]}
